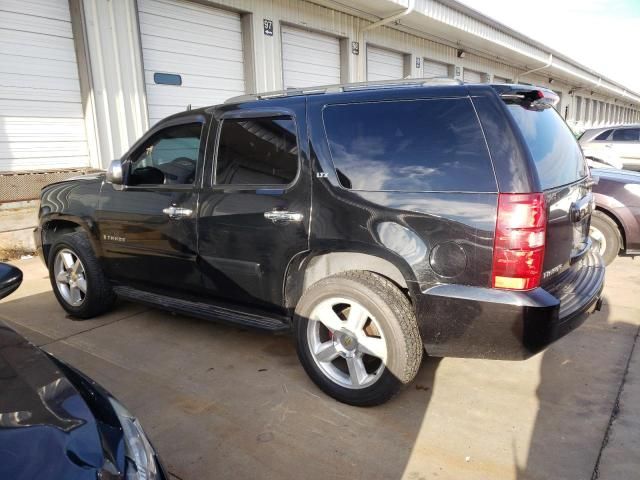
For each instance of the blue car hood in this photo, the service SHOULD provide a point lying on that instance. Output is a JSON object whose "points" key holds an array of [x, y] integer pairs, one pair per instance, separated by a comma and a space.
{"points": [[46, 428]]}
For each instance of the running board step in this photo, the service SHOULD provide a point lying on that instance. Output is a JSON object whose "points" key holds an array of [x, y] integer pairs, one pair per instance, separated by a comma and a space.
{"points": [[206, 311]]}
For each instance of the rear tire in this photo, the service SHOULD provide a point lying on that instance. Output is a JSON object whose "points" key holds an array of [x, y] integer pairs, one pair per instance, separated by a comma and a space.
{"points": [[77, 279], [357, 337], [605, 236]]}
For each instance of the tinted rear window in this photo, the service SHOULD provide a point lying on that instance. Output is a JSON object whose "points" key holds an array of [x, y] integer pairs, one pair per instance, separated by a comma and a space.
{"points": [[555, 151], [411, 146]]}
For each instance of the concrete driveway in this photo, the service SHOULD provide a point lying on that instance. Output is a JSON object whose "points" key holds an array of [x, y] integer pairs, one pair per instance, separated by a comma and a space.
{"points": [[220, 402]]}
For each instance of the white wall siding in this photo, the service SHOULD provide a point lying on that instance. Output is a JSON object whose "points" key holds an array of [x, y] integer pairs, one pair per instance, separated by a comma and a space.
{"points": [[489, 32], [41, 115], [201, 44], [383, 64], [457, 19], [309, 58], [471, 76], [431, 69], [116, 75], [268, 66]]}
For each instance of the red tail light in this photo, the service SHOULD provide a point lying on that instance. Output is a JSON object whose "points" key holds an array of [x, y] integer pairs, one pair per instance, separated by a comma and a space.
{"points": [[518, 250]]}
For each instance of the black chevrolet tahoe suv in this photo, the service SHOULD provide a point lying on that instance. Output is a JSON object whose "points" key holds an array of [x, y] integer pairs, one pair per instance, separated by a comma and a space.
{"points": [[376, 222]]}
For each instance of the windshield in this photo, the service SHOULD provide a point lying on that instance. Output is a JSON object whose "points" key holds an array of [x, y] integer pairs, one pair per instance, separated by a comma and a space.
{"points": [[555, 151]]}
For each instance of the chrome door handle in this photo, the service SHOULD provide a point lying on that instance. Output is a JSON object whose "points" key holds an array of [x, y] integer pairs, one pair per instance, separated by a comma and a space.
{"points": [[282, 216], [177, 212]]}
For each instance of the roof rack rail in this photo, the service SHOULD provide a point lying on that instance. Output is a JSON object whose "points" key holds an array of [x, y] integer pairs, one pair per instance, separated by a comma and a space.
{"points": [[344, 87]]}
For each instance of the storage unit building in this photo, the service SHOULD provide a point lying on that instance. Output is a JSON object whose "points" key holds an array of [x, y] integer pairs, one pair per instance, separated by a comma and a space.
{"points": [[80, 80]]}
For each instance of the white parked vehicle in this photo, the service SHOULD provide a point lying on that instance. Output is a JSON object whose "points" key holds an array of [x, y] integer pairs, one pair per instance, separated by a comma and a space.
{"points": [[617, 146]]}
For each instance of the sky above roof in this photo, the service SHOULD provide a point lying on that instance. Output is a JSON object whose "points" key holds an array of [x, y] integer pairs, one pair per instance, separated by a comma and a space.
{"points": [[601, 34]]}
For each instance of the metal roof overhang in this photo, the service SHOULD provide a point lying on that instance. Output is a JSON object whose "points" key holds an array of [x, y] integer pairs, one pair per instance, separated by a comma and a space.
{"points": [[455, 24]]}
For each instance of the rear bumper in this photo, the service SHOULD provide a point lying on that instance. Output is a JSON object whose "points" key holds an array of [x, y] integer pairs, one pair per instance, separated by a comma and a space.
{"points": [[476, 322]]}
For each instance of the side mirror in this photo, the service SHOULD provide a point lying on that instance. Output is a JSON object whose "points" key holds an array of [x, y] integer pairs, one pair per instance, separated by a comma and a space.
{"points": [[115, 172], [10, 279]]}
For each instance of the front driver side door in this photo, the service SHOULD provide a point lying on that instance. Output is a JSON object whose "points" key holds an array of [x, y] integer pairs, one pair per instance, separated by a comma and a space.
{"points": [[148, 227]]}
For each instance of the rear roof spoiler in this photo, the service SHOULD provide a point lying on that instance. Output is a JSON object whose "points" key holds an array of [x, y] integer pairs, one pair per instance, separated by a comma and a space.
{"points": [[529, 96]]}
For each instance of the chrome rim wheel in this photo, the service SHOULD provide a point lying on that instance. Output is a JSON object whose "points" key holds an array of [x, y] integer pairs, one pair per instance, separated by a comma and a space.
{"points": [[598, 239], [347, 343], [70, 276]]}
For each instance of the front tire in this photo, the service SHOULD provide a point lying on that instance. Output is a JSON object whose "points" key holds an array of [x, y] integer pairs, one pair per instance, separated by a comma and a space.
{"points": [[77, 279], [357, 337], [605, 236]]}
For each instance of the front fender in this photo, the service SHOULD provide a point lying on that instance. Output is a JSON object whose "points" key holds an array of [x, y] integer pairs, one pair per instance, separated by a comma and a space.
{"points": [[69, 205]]}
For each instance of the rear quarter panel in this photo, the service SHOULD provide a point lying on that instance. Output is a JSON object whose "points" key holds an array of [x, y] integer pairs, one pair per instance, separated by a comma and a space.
{"points": [[408, 229]]}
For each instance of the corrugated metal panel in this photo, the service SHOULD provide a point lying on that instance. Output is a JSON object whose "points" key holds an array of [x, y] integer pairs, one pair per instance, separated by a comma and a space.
{"points": [[201, 44], [489, 66], [400, 41], [457, 19], [41, 115], [309, 58], [383, 64], [497, 79], [472, 77], [431, 69], [579, 108], [117, 77], [488, 32]]}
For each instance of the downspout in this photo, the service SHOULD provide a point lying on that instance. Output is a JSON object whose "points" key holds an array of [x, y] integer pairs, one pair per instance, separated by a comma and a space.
{"points": [[379, 23], [546, 65]]}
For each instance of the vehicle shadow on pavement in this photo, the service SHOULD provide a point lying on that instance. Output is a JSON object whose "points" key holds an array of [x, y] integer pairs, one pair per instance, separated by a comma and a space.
{"points": [[580, 378], [220, 402]]}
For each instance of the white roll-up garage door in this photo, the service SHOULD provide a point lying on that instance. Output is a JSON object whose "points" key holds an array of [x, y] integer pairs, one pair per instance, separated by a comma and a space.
{"points": [[497, 79], [431, 69], [471, 76], [309, 58], [192, 55], [383, 64], [41, 117]]}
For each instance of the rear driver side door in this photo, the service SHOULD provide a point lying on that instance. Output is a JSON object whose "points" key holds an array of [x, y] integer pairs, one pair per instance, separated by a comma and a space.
{"points": [[254, 215]]}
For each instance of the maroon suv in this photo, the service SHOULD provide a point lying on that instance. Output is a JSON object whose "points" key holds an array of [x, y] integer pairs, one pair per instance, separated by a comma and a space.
{"points": [[615, 225]]}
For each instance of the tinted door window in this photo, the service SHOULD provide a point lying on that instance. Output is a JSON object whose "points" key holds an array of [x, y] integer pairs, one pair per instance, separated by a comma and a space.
{"points": [[257, 151], [411, 146], [170, 157], [555, 151], [626, 135]]}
